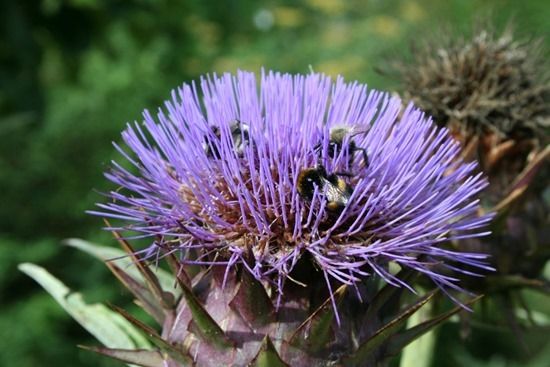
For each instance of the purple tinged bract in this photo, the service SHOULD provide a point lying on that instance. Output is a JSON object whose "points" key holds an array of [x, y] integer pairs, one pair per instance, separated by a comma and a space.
{"points": [[217, 171]]}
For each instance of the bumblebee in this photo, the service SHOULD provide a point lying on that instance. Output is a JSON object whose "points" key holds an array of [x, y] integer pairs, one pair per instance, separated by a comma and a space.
{"points": [[240, 135], [335, 189], [336, 142]]}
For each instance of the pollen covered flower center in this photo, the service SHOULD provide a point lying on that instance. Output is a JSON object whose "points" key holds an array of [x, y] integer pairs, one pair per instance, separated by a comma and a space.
{"points": [[332, 192]]}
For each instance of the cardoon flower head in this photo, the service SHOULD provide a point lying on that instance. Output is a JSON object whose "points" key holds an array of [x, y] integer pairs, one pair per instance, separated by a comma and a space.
{"points": [[218, 178]]}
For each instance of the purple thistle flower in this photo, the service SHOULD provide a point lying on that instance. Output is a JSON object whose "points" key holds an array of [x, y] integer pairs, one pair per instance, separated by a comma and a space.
{"points": [[219, 174]]}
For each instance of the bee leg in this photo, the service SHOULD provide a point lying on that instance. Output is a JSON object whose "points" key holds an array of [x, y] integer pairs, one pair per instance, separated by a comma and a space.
{"points": [[318, 148], [365, 156], [345, 174]]}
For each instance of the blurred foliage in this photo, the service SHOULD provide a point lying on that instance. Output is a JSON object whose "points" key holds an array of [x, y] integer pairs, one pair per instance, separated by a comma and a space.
{"points": [[73, 72]]}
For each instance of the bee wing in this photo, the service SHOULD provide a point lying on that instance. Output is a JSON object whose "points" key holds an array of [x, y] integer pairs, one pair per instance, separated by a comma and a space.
{"points": [[359, 130], [334, 194]]}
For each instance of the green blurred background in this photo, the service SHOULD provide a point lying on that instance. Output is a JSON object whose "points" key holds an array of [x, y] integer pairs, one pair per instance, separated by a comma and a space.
{"points": [[73, 72]]}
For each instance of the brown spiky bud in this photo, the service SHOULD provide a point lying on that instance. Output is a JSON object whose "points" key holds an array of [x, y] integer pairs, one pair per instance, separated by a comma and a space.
{"points": [[493, 92]]}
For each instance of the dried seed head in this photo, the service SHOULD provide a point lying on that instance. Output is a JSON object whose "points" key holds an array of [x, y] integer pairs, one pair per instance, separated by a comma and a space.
{"points": [[493, 92], [488, 83]]}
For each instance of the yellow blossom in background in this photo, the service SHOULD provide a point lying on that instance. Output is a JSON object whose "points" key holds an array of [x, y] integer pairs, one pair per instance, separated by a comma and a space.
{"points": [[385, 26], [331, 7], [348, 65], [288, 17], [231, 64], [336, 34], [411, 11], [209, 32]]}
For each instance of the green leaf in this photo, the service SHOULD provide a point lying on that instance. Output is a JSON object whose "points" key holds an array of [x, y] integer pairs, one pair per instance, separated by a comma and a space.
{"points": [[166, 299], [504, 282], [124, 261], [202, 324], [105, 325], [141, 292], [268, 356], [252, 302], [366, 349], [382, 297], [137, 357], [401, 340], [176, 352], [316, 330], [320, 331], [419, 352]]}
